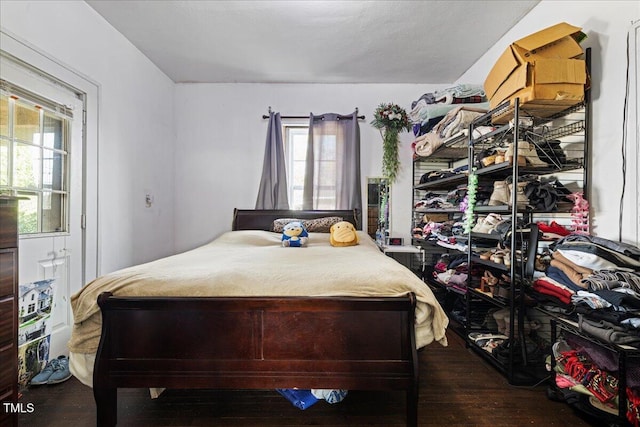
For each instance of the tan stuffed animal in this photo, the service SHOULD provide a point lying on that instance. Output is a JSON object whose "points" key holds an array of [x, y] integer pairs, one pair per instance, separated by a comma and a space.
{"points": [[343, 233]]}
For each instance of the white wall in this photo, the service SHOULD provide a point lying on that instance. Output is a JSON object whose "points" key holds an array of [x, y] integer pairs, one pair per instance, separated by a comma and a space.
{"points": [[220, 134], [136, 131], [220, 145], [606, 24], [219, 152]]}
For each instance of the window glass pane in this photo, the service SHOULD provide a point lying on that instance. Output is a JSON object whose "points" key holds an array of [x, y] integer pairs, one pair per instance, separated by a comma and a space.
{"points": [[4, 162], [4, 115], [52, 212], [299, 146], [28, 213], [53, 132], [53, 170], [26, 166], [34, 163], [297, 175], [27, 123], [296, 153], [296, 138]]}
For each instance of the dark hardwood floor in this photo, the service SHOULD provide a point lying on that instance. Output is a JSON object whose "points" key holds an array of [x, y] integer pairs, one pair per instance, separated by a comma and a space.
{"points": [[456, 388]]}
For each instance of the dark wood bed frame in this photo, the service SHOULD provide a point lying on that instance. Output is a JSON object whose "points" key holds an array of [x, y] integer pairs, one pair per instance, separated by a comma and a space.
{"points": [[256, 343]]}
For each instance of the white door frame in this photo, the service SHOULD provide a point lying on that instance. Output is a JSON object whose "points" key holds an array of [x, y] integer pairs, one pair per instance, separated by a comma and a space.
{"points": [[633, 143], [90, 89]]}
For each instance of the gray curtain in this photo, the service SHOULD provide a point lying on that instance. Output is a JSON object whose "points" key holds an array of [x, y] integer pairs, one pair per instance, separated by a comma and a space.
{"points": [[333, 163], [272, 193]]}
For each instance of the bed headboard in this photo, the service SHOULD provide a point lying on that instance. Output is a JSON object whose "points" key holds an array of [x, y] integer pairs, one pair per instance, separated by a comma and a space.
{"points": [[261, 219]]}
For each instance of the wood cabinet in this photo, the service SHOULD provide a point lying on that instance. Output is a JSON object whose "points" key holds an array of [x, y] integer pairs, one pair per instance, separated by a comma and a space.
{"points": [[8, 308]]}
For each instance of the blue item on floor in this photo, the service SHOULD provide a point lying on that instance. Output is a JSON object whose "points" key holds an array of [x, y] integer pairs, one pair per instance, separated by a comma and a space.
{"points": [[43, 376], [61, 371], [54, 372], [301, 399]]}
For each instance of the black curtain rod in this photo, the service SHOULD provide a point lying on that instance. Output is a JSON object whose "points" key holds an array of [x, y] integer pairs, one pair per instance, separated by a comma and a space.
{"points": [[264, 116]]}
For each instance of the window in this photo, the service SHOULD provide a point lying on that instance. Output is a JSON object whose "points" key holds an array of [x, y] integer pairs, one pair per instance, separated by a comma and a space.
{"points": [[34, 162], [295, 151], [296, 137]]}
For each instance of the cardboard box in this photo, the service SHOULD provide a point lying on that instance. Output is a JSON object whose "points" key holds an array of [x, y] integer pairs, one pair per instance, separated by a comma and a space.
{"points": [[558, 41], [540, 67], [560, 80]]}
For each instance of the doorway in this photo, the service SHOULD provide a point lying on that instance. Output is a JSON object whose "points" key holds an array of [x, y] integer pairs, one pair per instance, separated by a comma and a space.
{"points": [[42, 161]]}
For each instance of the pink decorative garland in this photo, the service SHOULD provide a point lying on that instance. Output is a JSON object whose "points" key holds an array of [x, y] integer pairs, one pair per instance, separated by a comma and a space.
{"points": [[579, 213]]}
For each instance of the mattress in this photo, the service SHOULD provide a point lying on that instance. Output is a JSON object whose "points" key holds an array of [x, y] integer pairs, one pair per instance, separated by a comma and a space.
{"points": [[254, 263]]}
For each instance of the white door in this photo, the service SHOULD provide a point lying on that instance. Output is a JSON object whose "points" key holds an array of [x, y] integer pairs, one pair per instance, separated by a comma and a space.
{"points": [[41, 161]]}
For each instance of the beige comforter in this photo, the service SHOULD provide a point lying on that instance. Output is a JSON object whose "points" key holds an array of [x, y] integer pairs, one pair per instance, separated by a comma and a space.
{"points": [[253, 263]]}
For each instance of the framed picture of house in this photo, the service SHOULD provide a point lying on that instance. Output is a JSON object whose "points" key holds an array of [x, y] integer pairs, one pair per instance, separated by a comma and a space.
{"points": [[32, 357], [35, 301]]}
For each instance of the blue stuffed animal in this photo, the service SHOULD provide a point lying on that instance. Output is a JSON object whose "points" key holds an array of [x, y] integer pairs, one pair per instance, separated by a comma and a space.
{"points": [[294, 235]]}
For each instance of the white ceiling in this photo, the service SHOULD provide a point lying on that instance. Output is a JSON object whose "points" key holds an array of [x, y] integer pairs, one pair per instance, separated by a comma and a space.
{"points": [[313, 41]]}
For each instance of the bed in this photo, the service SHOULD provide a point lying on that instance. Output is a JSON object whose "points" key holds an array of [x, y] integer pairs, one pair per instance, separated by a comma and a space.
{"points": [[243, 312]]}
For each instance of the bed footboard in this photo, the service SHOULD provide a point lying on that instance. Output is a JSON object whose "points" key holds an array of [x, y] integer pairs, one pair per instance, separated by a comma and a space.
{"points": [[255, 343]]}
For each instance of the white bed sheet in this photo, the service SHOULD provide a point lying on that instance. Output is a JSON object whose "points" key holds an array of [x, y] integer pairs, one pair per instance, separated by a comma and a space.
{"points": [[254, 263]]}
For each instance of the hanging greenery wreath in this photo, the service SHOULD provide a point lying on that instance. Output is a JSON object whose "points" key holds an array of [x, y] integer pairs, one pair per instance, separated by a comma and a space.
{"points": [[390, 119]]}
